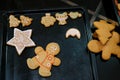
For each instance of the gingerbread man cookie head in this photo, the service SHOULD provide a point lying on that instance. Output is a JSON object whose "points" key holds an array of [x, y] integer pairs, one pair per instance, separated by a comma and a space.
{"points": [[53, 48]]}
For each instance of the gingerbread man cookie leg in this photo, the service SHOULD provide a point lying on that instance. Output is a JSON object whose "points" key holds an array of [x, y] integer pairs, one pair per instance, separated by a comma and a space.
{"points": [[106, 54], [44, 72]]}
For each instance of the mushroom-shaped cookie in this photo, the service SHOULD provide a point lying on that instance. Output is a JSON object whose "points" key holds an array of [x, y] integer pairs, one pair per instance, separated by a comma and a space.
{"points": [[48, 20]]}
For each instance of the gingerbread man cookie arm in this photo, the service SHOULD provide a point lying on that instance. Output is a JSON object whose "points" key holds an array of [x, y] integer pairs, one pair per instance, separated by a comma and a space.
{"points": [[32, 64], [38, 50], [57, 61]]}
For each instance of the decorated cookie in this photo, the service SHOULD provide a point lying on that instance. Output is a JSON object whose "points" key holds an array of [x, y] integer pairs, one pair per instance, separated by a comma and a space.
{"points": [[74, 15], [61, 17], [13, 21], [48, 20], [25, 21], [44, 59], [73, 32], [21, 40]]}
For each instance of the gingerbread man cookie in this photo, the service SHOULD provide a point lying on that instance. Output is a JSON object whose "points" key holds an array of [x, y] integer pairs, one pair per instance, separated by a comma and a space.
{"points": [[61, 17], [44, 59], [111, 47], [48, 20]]}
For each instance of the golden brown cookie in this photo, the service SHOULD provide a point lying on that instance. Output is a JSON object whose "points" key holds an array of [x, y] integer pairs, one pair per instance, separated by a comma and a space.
{"points": [[44, 59], [61, 17], [48, 20], [103, 30], [25, 21], [74, 15], [111, 46], [13, 21]]}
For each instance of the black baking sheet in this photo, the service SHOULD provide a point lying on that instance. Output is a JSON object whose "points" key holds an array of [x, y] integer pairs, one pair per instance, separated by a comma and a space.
{"points": [[77, 63]]}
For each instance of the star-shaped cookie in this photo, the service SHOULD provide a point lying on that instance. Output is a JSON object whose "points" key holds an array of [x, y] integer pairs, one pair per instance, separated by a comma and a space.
{"points": [[21, 40]]}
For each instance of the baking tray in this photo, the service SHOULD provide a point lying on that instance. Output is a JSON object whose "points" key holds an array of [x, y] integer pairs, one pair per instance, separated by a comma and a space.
{"points": [[77, 62]]}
